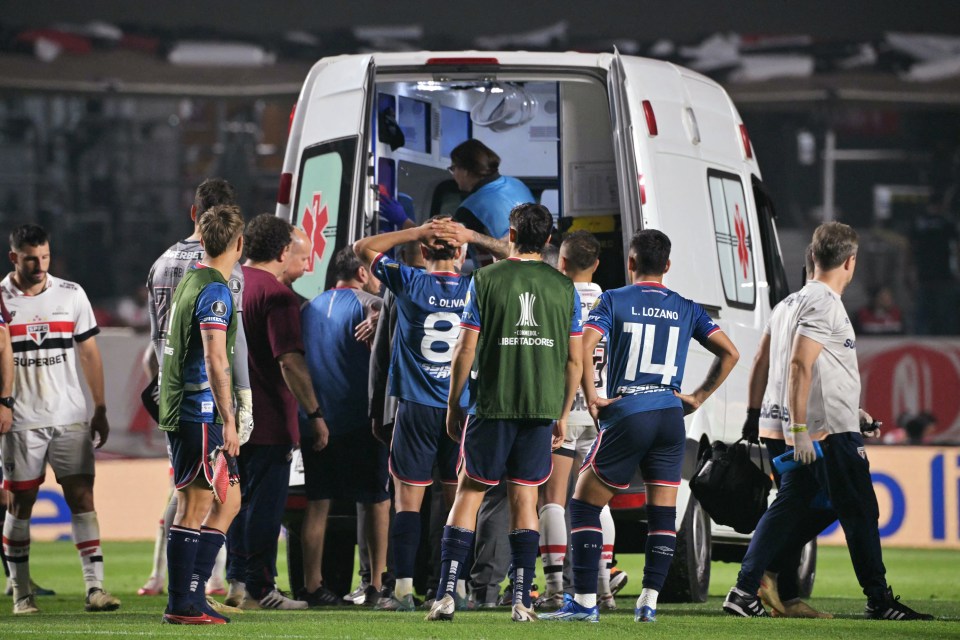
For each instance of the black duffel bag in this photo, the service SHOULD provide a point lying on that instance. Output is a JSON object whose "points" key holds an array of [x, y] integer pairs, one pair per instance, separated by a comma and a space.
{"points": [[727, 483]]}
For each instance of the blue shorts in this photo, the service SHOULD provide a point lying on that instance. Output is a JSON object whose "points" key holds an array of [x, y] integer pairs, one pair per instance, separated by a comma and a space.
{"points": [[353, 466], [419, 440], [520, 448], [190, 449], [652, 440]]}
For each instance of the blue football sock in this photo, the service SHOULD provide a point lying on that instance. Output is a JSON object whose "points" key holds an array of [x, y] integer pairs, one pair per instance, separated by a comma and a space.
{"points": [[182, 544], [405, 538], [661, 542], [454, 550], [209, 546], [524, 545], [586, 542]]}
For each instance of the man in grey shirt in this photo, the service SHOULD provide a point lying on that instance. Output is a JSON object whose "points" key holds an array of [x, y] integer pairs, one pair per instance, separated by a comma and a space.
{"points": [[817, 360]]}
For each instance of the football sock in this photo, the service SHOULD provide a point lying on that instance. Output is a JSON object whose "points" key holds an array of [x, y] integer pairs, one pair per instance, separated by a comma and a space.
{"points": [[606, 557], [3, 556], [454, 549], [648, 598], [86, 537], [661, 542], [586, 543], [405, 538], [160, 544], [220, 564], [553, 545], [208, 548], [462, 588], [182, 545], [523, 554], [16, 548]]}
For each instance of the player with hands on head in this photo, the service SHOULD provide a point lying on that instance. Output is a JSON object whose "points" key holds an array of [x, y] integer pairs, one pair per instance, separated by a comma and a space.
{"points": [[648, 329], [522, 318], [427, 304]]}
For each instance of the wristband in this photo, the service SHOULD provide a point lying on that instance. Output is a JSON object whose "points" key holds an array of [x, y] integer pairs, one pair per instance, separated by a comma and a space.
{"points": [[798, 427], [317, 414]]}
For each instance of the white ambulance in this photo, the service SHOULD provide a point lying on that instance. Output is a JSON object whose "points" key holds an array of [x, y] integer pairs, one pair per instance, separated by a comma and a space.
{"points": [[609, 143]]}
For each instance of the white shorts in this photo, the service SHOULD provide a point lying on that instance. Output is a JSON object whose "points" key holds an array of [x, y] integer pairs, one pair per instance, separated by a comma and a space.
{"points": [[68, 449], [579, 439]]}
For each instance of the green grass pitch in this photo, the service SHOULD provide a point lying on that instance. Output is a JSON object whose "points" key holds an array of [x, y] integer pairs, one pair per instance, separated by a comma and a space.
{"points": [[927, 580]]}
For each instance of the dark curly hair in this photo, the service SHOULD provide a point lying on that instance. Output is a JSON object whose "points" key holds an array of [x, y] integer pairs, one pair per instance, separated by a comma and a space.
{"points": [[266, 237], [211, 192], [533, 224]]}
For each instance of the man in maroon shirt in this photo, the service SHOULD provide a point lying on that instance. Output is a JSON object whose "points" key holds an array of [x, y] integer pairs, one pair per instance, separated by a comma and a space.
{"points": [[279, 380]]}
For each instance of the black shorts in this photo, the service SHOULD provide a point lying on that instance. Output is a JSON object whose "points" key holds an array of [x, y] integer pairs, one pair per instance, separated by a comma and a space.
{"points": [[353, 466], [490, 448], [420, 440], [190, 449]]}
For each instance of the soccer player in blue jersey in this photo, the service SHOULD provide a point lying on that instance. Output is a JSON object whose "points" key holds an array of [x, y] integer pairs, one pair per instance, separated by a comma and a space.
{"points": [[648, 329], [196, 411], [428, 305]]}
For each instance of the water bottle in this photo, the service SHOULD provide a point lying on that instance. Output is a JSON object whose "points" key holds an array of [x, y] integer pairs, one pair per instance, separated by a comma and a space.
{"points": [[785, 462]]}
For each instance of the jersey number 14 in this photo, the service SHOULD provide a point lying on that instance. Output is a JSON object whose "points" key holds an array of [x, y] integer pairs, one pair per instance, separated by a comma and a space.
{"points": [[640, 358]]}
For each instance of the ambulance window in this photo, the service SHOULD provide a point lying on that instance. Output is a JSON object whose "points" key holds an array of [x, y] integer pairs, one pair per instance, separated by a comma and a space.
{"points": [[455, 127], [326, 182], [734, 241], [414, 119], [772, 260]]}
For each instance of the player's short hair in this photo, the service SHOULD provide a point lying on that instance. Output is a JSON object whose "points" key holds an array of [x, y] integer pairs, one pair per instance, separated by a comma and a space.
{"points": [[214, 191], [833, 243], [582, 248], [345, 264], [476, 157], [266, 237], [533, 224], [443, 250], [651, 251], [28, 234], [220, 226]]}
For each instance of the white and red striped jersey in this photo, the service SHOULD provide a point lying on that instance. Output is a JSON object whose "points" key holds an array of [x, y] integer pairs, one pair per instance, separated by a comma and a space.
{"points": [[43, 330]]}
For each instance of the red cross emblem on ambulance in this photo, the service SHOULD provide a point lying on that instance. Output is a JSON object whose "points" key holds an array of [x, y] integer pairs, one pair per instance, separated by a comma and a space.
{"points": [[740, 228], [315, 220]]}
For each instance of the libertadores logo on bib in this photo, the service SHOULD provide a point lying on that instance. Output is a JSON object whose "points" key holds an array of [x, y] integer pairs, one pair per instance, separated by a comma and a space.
{"points": [[526, 310], [37, 332]]}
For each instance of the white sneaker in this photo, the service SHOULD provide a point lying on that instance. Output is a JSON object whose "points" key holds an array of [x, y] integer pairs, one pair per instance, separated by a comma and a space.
{"points": [[442, 609], [358, 595], [521, 613], [25, 605], [235, 593], [277, 600]]}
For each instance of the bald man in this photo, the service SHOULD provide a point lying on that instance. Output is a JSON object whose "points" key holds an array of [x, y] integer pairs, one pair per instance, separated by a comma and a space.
{"points": [[299, 258]]}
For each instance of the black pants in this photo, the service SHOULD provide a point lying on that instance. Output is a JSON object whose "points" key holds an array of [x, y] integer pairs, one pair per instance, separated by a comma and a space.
{"points": [[252, 539], [794, 517]]}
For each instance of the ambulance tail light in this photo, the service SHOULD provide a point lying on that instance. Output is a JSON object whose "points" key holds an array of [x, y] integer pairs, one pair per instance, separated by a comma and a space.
{"points": [[651, 118], [460, 62], [283, 191], [745, 139]]}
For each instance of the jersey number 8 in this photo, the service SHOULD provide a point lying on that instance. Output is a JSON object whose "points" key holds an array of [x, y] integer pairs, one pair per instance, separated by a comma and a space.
{"points": [[433, 335]]}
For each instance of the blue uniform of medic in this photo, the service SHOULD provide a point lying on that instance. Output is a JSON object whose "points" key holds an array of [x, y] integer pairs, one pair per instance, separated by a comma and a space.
{"points": [[648, 330], [428, 325], [487, 208]]}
